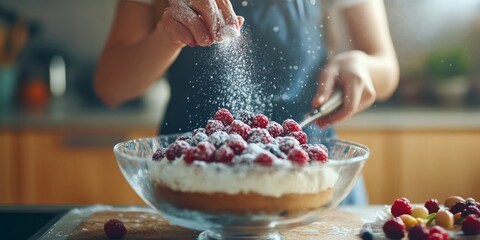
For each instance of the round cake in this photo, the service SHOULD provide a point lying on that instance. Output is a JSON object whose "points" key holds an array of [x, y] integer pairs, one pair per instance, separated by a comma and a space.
{"points": [[242, 165]]}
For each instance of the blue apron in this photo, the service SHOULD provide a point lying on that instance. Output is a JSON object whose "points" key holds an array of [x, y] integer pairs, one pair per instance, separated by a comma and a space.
{"points": [[287, 53]]}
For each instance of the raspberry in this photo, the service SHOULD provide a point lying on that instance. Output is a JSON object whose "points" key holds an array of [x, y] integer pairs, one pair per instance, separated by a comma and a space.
{"points": [[394, 228], [198, 130], [176, 149], [213, 126], [259, 135], [401, 206], [246, 117], [205, 151], [471, 210], [259, 121], [436, 236], [315, 152], [159, 154], [418, 232], [265, 159], [236, 143], [432, 206], [218, 138], [190, 155], [224, 116], [440, 231], [224, 154], [240, 128], [197, 138], [114, 229], [471, 225], [272, 148], [185, 138], [300, 136], [290, 126], [298, 156], [287, 143], [458, 207], [275, 129]]}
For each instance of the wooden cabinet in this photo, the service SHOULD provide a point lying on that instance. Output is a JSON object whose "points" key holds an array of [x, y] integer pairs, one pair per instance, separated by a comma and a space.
{"points": [[419, 164], [62, 166]]}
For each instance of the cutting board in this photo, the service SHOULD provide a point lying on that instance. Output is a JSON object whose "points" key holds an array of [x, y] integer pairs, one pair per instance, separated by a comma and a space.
{"points": [[142, 223]]}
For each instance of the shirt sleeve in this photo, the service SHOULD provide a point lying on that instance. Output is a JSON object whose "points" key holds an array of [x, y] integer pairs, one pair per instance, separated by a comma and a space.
{"points": [[141, 1]]}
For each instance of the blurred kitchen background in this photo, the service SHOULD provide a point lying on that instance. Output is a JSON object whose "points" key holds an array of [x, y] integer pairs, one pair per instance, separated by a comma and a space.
{"points": [[56, 137]]}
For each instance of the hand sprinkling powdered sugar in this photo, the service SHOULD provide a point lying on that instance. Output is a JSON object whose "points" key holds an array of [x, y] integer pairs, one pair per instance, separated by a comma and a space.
{"points": [[201, 22]]}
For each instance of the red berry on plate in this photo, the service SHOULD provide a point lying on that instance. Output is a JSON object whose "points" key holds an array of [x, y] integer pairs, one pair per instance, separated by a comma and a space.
{"points": [[458, 207], [213, 126], [259, 121], [114, 229], [190, 155], [436, 236], [290, 126], [432, 206], [418, 232], [159, 154], [224, 116], [471, 225], [440, 231], [401, 206], [472, 209], [300, 136], [246, 117], [205, 151], [264, 159], [236, 143], [240, 128], [298, 156], [394, 228], [275, 129], [224, 154]]}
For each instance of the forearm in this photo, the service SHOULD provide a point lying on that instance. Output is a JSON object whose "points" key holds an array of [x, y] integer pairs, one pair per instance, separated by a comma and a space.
{"points": [[384, 73], [125, 72]]}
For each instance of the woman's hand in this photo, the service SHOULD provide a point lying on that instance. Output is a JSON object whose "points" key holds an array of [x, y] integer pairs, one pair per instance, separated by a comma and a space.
{"points": [[349, 72], [200, 22]]}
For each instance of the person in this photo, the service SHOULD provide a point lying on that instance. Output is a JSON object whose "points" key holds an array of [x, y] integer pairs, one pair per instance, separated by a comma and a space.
{"points": [[294, 53]]}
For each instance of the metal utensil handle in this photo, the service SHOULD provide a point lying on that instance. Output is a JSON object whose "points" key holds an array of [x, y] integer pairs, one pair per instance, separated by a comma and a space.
{"points": [[328, 107]]}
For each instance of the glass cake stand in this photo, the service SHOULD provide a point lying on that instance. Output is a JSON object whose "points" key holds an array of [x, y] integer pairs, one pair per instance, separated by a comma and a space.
{"points": [[134, 159]]}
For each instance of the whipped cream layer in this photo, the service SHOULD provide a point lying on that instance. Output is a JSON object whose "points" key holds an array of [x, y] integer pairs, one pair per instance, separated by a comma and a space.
{"points": [[205, 177]]}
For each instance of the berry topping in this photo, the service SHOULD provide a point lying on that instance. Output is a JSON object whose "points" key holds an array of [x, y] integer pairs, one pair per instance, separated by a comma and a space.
{"points": [[316, 152], [298, 156], [224, 116], [198, 130], [159, 154], [213, 126], [246, 117], [275, 129], [265, 159], [240, 128], [432, 206], [185, 138], [224, 154], [471, 225], [202, 152], [197, 138], [394, 228], [259, 121], [114, 229], [176, 149], [290, 126], [436, 236], [218, 138], [272, 148], [401, 206], [418, 232], [287, 143], [259, 135], [300, 136], [236, 143]]}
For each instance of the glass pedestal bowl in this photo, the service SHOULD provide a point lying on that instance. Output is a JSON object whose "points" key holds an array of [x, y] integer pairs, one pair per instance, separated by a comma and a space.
{"points": [[134, 159]]}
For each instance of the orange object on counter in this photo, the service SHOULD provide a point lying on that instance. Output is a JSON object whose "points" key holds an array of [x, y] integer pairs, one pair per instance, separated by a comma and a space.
{"points": [[35, 93]]}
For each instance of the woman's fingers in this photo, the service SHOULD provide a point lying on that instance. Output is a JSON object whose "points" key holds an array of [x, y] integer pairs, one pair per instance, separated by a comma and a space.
{"points": [[326, 84], [178, 32]]}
